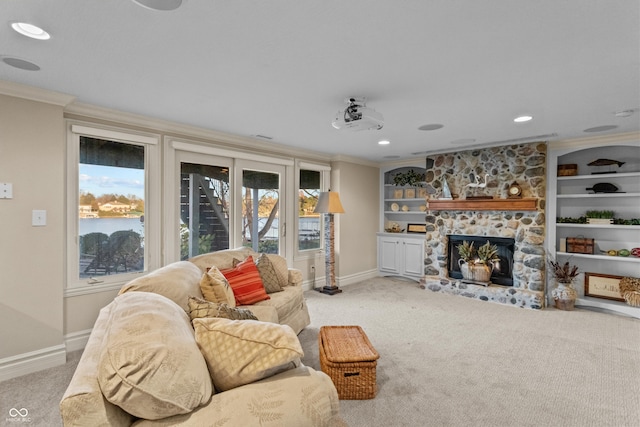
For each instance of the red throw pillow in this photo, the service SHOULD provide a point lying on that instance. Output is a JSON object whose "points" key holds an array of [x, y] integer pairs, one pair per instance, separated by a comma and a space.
{"points": [[246, 283]]}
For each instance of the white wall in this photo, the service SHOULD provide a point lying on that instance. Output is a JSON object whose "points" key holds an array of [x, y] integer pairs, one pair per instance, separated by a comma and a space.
{"points": [[31, 258]]}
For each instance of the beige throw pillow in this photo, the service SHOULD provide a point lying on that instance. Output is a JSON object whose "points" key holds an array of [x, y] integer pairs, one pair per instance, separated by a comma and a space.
{"points": [[201, 308], [240, 353], [215, 288], [268, 274], [280, 266], [150, 364]]}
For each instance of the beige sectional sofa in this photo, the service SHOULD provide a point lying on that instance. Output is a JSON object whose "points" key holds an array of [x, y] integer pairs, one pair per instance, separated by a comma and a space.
{"points": [[150, 362]]}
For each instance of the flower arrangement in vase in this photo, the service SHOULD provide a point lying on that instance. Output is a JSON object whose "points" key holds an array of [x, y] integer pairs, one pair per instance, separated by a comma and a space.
{"points": [[477, 264], [564, 294]]}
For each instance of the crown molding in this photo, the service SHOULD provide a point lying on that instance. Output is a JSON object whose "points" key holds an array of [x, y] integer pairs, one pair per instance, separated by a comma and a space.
{"points": [[32, 93]]}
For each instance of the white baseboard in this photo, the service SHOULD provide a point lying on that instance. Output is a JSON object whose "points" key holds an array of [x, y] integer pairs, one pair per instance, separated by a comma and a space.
{"points": [[34, 361], [77, 340], [341, 281], [357, 277]]}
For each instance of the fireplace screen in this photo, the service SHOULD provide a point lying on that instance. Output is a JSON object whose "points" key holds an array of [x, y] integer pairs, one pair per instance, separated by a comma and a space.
{"points": [[503, 270]]}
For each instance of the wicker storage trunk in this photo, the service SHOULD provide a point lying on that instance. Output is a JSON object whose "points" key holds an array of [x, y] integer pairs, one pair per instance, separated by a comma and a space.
{"points": [[347, 356]]}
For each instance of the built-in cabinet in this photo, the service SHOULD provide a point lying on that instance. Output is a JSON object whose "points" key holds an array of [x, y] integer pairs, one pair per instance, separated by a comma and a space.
{"points": [[570, 197], [401, 255], [402, 207]]}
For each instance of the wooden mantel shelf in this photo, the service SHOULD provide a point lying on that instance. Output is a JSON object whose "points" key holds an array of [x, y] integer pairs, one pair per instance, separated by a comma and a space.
{"points": [[483, 205]]}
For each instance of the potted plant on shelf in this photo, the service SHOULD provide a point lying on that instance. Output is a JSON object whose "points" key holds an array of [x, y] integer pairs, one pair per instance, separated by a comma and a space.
{"points": [[477, 264], [599, 217], [410, 178], [564, 294]]}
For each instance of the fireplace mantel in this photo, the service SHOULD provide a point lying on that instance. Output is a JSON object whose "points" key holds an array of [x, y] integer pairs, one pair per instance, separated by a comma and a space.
{"points": [[483, 205]]}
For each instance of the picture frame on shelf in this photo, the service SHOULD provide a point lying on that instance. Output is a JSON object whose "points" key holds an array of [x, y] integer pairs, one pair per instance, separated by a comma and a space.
{"points": [[410, 193], [422, 193], [397, 194], [604, 286], [417, 228]]}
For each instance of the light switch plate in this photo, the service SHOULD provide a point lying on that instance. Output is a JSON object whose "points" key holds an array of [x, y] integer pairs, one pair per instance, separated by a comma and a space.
{"points": [[38, 218], [6, 190]]}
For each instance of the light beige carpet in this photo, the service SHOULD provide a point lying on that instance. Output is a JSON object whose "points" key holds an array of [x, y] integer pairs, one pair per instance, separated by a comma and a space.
{"points": [[448, 361], [451, 361]]}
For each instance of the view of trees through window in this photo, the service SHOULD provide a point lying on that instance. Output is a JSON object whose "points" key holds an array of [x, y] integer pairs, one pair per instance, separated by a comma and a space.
{"points": [[308, 222], [110, 207], [260, 208]]}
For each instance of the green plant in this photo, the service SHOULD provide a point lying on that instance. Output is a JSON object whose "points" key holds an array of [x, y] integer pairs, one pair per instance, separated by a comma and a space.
{"points": [[563, 273], [600, 214], [410, 178], [466, 251], [487, 253]]}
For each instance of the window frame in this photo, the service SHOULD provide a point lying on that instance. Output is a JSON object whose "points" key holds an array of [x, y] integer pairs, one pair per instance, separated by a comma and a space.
{"points": [[325, 175], [75, 129]]}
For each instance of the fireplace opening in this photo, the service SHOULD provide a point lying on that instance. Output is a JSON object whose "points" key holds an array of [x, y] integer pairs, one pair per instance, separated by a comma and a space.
{"points": [[503, 270]]}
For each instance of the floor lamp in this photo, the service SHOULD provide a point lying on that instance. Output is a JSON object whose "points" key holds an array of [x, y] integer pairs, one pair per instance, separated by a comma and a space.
{"points": [[329, 204]]}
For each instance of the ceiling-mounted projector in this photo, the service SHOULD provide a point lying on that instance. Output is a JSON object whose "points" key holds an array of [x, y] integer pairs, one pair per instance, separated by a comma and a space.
{"points": [[357, 116]]}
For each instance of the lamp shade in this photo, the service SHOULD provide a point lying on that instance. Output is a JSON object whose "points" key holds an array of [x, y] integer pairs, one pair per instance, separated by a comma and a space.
{"points": [[329, 202]]}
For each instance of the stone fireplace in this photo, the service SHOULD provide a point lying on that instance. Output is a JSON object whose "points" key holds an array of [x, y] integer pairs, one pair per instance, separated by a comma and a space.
{"points": [[524, 164]]}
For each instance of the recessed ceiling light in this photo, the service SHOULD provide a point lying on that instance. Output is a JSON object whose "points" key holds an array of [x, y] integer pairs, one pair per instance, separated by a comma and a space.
{"points": [[30, 30], [20, 63], [384, 142], [600, 128], [522, 119], [624, 113], [159, 4], [432, 126]]}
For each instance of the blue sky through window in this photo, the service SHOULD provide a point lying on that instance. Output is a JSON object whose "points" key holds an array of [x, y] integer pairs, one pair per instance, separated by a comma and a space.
{"points": [[99, 180]]}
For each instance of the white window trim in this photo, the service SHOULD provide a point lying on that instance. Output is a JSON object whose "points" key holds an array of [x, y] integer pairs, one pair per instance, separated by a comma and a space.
{"points": [[325, 177], [75, 129]]}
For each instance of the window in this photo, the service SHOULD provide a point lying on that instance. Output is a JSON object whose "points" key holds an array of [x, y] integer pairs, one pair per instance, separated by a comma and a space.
{"points": [[309, 223], [109, 182], [311, 180], [204, 208]]}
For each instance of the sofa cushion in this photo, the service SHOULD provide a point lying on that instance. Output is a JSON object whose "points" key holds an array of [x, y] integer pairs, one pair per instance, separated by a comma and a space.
{"points": [[246, 283], [176, 281], [239, 352], [215, 287], [201, 308], [268, 274], [150, 364], [221, 259]]}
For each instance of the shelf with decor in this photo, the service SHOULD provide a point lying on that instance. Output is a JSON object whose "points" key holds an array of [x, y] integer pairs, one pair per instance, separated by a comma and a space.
{"points": [[605, 186]]}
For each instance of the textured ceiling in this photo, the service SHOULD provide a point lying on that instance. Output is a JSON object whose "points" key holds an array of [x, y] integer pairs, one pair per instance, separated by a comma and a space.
{"points": [[282, 68]]}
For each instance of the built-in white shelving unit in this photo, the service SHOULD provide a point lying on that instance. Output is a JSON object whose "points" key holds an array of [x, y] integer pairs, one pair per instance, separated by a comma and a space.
{"points": [[571, 197]]}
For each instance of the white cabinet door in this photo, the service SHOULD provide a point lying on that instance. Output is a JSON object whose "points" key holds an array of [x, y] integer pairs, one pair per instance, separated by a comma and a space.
{"points": [[389, 255], [413, 257]]}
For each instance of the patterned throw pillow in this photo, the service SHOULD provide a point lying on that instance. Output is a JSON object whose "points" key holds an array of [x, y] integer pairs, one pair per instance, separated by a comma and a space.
{"points": [[239, 353], [246, 283], [268, 274], [200, 308], [216, 288]]}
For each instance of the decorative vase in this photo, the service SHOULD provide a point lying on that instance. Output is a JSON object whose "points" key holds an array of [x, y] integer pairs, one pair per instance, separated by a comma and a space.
{"points": [[564, 296], [475, 272]]}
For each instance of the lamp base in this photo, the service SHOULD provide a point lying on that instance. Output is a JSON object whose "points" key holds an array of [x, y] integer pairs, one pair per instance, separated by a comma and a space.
{"points": [[330, 290]]}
